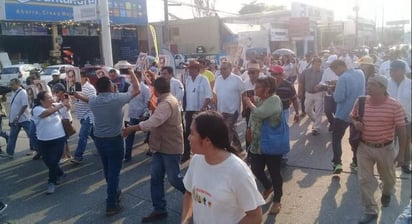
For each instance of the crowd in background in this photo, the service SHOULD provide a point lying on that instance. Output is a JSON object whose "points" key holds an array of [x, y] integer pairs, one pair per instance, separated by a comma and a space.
{"points": [[195, 118]]}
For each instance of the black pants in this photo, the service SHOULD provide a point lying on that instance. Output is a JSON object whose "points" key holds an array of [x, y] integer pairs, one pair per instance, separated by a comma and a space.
{"points": [[258, 163], [188, 121], [339, 129], [329, 108]]}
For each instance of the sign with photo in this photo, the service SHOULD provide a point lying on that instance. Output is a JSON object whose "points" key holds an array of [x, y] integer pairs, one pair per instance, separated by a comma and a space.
{"points": [[141, 62], [73, 83], [32, 92]]}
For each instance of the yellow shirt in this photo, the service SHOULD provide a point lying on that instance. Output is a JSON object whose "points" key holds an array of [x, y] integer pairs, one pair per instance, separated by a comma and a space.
{"points": [[209, 75]]}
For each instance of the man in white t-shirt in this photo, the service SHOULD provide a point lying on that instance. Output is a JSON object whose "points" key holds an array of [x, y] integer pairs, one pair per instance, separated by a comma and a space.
{"points": [[19, 115], [384, 69], [197, 98], [176, 86], [228, 89], [399, 87]]}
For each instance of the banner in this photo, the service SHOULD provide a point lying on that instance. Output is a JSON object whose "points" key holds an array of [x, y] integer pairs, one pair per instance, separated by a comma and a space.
{"points": [[84, 13], [154, 36], [120, 11]]}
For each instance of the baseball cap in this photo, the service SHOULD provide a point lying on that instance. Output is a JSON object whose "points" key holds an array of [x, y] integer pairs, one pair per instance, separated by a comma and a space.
{"points": [[380, 79], [276, 69], [55, 72], [59, 87]]}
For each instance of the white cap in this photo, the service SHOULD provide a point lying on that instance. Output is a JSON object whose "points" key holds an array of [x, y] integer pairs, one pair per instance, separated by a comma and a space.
{"points": [[55, 72], [331, 59]]}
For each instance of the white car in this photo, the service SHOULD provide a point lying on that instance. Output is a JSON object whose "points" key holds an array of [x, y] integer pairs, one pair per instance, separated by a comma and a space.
{"points": [[46, 74], [20, 71]]}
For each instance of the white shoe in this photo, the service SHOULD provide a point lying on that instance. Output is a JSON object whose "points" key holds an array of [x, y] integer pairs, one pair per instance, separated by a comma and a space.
{"points": [[50, 188], [63, 160]]}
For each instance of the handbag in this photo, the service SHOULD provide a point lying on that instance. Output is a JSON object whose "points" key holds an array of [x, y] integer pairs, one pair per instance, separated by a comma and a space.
{"points": [[355, 135], [68, 127], [274, 140]]}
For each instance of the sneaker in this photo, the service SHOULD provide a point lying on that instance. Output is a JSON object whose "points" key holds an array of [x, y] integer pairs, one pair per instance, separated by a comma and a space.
{"points": [[76, 161], [385, 200], [337, 168], [154, 216], [3, 207], [50, 188], [62, 161], [315, 132], [114, 211]]}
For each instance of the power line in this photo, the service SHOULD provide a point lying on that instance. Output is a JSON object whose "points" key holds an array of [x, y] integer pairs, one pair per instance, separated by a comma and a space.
{"points": [[204, 8]]}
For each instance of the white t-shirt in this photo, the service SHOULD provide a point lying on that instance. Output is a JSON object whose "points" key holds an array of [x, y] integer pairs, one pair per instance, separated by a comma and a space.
{"points": [[402, 93], [196, 92], [228, 92], [221, 193], [48, 128], [328, 75], [20, 100]]}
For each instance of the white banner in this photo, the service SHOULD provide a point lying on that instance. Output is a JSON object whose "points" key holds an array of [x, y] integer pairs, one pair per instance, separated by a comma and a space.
{"points": [[84, 13], [279, 34]]}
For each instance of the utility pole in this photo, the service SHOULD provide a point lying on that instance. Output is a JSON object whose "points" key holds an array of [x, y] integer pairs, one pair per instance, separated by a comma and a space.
{"points": [[356, 8], [106, 37], [166, 24]]}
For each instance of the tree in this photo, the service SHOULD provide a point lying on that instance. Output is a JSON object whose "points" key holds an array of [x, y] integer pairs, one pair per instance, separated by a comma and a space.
{"points": [[255, 7], [204, 8]]}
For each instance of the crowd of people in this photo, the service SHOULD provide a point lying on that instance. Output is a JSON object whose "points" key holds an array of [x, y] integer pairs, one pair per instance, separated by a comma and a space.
{"points": [[195, 119]]}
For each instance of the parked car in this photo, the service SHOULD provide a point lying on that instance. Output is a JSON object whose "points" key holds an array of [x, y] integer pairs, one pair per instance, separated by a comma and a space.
{"points": [[46, 74], [20, 71]]}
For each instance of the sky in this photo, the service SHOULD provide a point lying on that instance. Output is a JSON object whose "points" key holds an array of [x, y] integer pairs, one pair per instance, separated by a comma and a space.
{"points": [[370, 9]]}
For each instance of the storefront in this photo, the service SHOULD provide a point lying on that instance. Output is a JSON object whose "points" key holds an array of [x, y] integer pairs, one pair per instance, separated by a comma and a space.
{"points": [[31, 29]]}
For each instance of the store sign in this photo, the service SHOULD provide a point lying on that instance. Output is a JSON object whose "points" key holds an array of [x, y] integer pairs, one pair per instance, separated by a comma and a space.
{"points": [[121, 11], [279, 34], [303, 10], [299, 26]]}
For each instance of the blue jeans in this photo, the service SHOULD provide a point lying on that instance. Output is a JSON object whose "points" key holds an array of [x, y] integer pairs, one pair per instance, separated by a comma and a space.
{"points": [[130, 139], [164, 164], [33, 136], [86, 128], [339, 129], [111, 151], [14, 133], [51, 152]]}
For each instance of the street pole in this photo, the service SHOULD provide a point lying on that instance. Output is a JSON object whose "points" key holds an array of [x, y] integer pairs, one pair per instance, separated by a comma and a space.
{"points": [[356, 8], [106, 37], [166, 24]]}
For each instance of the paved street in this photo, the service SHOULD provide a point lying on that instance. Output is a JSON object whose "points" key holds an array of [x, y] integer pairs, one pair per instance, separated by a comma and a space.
{"points": [[311, 193]]}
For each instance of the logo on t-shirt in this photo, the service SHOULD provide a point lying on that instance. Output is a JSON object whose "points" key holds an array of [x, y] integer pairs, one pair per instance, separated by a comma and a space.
{"points": [[202, 197]]}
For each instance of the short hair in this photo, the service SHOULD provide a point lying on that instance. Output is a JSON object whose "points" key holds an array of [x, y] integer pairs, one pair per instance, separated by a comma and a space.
{"points": [[42, 95], [112, 70], [228, 64], [211, 125], [168, 68], [104, 85], [15, 81], [162, 85], [83, 74], [268, 82], [337, 63]]}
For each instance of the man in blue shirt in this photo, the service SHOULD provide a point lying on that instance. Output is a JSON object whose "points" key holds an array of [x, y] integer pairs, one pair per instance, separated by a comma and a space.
{"points": [[349, 86]]}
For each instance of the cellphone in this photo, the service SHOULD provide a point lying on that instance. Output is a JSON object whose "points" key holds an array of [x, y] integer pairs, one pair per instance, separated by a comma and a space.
{"points": [[66, 96], [70, 93], [126, 124]]}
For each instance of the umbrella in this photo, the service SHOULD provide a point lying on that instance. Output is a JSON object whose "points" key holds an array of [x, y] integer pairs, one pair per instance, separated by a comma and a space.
{"points": [[123, 65], [283, 51]]}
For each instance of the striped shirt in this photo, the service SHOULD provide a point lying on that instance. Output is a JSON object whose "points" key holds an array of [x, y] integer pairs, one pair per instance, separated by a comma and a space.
{"points": [[380, 121], [82, 109]]}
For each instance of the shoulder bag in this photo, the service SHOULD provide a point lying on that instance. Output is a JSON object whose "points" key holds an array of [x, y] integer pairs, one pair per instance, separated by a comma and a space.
{"points": [[355, 135], [274, 140]]}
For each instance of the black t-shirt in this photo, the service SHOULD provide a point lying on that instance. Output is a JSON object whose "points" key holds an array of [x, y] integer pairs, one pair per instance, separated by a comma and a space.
{"points": [[286, 91]]}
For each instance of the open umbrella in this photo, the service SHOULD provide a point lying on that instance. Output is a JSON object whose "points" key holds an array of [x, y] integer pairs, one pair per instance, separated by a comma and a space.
{"points": [[283, 51], [123, 64]]}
